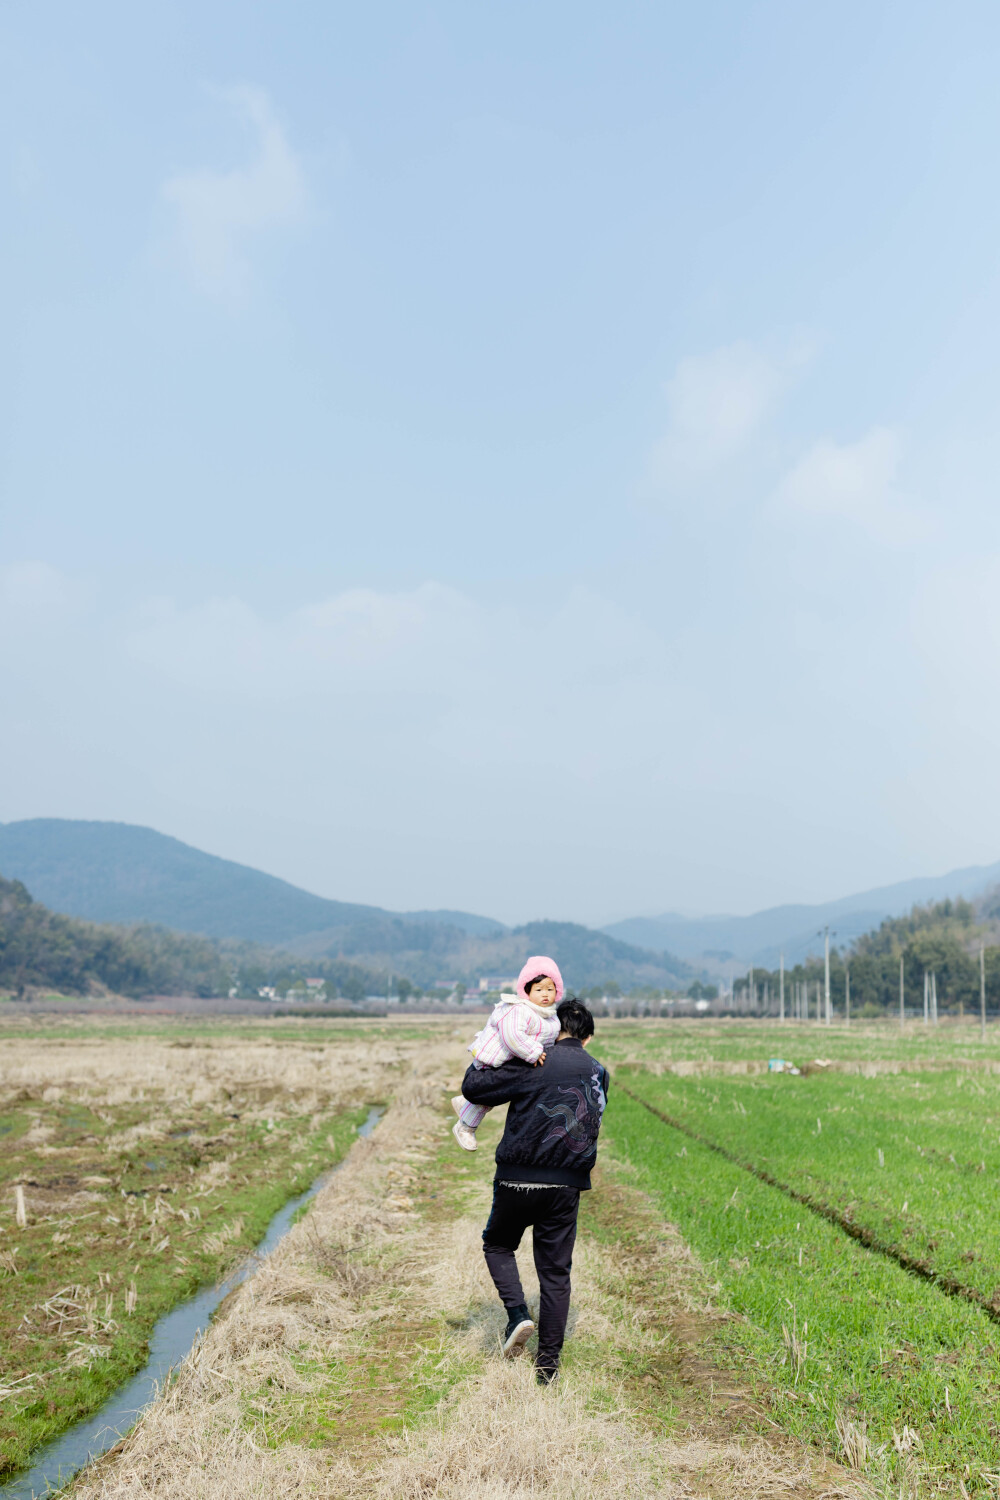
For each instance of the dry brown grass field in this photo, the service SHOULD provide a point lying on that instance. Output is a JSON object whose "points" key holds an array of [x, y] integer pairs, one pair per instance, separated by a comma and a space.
{"points": [[137, 1165], [360, 1359]]}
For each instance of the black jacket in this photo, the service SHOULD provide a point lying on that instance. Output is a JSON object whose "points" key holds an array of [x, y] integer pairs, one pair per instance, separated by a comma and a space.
{"points": [[554, 1115]]}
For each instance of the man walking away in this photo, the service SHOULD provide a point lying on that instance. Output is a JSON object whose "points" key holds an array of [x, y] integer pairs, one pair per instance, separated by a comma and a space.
{"points": [[544, 1161]]}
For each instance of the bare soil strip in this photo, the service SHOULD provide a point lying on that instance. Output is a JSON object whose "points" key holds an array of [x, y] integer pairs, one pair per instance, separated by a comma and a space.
{"points": [[362, 1359], [876, 1067], [860, 1232]]}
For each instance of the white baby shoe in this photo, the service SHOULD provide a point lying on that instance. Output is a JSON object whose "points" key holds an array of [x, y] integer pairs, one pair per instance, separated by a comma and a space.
{"points": [[465, 1137]]}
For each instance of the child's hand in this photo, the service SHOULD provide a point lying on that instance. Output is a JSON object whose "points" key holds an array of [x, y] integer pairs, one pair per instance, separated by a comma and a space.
{"points": [[538, 1060]]}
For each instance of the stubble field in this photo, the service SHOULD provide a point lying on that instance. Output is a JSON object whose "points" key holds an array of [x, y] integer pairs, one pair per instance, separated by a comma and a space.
{"points": [[144, 1163]]}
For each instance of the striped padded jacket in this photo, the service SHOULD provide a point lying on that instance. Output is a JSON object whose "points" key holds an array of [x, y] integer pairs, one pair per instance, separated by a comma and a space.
{"points": [[517, 1028]]}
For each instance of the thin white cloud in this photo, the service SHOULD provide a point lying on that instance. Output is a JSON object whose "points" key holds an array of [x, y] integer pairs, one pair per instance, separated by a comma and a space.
{"points": [[857, 483], [717, 403], [411, 745], [432, 646], [38, 597], [218, 213]]}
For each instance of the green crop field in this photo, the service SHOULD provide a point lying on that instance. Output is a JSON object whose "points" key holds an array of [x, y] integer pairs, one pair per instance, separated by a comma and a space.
{"points": [[910, 1160], [913, 1158]]}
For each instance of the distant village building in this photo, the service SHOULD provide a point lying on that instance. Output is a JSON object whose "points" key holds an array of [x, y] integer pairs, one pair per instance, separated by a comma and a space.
{"points": [[493, 982], [315, 984], [268, 993]]}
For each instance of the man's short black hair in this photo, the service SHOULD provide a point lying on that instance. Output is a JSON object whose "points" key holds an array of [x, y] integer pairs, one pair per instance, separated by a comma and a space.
{"points": [[575, 1018]]}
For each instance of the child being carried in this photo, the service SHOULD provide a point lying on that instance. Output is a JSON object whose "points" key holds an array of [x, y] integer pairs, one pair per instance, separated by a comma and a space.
{"points": [[522, 1025]]}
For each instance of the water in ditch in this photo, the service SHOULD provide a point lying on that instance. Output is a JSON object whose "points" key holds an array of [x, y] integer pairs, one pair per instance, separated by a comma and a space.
{"points": [[173, 1336]]}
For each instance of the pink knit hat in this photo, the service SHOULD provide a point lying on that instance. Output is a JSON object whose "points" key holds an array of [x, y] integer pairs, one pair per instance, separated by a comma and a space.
{"points": [[540, 968]]}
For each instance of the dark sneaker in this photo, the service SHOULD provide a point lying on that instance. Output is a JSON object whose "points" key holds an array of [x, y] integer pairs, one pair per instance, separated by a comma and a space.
{"points": [[518, 1332], [546, 1376]]}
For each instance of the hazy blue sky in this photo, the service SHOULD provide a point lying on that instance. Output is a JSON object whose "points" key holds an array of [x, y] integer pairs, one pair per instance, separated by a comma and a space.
{"points": [[538, 458]]}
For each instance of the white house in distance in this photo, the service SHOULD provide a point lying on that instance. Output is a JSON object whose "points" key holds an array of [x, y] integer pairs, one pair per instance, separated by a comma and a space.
{"points": [[494, 982]]}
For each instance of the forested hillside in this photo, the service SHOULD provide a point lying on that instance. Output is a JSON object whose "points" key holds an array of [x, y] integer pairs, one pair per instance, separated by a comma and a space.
{"points": [[942, 938], [43, 949], [586, 957], [40, 949]]}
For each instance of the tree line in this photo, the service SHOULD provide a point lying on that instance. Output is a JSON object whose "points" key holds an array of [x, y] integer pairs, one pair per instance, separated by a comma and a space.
{"points": [[942, 938]]}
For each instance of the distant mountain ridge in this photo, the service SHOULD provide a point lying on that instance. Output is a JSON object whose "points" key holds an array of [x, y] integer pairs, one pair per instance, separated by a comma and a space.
{"points": [[723, 943], [120, 873]]}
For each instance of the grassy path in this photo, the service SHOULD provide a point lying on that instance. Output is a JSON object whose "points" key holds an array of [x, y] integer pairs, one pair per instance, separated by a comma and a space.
{"points": [[362, 1359]]}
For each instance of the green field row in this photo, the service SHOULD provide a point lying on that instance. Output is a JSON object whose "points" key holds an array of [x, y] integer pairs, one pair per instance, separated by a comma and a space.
{"points": [[834, 1329], [913, 1158]]}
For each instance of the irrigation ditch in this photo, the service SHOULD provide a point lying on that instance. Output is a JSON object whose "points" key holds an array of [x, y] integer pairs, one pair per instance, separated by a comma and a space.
{"points": [[860, 1232], [173, 1337]]}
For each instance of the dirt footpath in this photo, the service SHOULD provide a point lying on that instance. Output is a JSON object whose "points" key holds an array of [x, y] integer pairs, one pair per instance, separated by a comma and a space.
{"points": [[361, 1360]]}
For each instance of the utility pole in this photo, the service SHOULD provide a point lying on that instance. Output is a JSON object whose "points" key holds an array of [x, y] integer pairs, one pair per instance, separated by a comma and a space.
{"points": [[927, 992], [847, 996], [781, 988], [982, 991], [902, 1012], [934, 997], [825, 934]]}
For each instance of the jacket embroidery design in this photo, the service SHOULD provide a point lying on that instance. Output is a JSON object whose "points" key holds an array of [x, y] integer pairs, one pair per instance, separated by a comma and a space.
{"points": [[577, 1125]]}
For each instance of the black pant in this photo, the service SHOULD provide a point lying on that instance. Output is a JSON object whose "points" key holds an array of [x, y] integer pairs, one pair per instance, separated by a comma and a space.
{"points": [[552, 1213]]}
